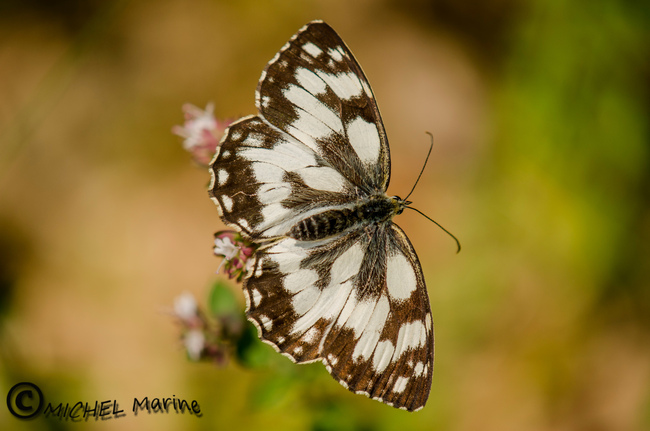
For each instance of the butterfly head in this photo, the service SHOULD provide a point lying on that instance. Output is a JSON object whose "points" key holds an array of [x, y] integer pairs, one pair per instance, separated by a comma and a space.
{"points": [[399, 204]]}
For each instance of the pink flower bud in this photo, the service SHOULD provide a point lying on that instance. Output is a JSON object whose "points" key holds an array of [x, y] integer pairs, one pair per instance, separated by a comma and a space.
{"points": [[201, 132]]}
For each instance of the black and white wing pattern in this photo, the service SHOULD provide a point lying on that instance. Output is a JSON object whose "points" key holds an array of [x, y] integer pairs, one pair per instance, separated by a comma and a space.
{"points": [[334, 280]]}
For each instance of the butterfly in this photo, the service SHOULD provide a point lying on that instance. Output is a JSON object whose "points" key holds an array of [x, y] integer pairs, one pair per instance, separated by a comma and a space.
{"points": [[334, 279]]}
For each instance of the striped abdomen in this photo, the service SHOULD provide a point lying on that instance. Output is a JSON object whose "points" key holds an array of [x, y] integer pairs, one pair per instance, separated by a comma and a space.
{"points": [[377, 209]]}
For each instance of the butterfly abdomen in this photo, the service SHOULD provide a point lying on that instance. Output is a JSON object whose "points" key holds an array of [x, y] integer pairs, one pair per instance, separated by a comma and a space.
{"points": [[377, 209]]}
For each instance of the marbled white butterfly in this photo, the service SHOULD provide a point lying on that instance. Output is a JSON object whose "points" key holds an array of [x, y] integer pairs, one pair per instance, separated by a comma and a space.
{"points": [[334, 279]]}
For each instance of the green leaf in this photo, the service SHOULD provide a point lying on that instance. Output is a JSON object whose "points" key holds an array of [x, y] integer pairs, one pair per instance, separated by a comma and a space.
{"points": [[222, 300], [251, 352]]}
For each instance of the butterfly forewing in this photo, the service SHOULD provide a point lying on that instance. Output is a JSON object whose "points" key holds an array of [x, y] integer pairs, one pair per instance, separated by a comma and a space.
{"points": [[354, 299], [264, 180], [315, 91]]}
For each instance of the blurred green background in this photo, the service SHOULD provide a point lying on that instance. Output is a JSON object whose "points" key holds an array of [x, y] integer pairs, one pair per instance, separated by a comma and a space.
{"points": [[540, 111]]}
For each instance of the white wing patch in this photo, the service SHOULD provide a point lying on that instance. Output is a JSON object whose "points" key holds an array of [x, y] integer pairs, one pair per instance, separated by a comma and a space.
{"points": [[310, 81], [364, 138], [305, 299], [373, 328], [345, 85], [400, 278], [313, 115], [274, 213], [335, 53], [227, 202], [383, 355], [262, 156], [296, 150], [312, 49], [267, 323], [323, 178], [358, 316], [256, 297], [411, 335], [269, 193], [347, 265], [236, 135], [267, 172], [288, 255], [222, 177], [297, 281], [331, 299], [400, 384]]}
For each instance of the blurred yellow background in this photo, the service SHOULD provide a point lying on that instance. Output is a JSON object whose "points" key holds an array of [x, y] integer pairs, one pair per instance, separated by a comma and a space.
{"points": [[541, 167]]}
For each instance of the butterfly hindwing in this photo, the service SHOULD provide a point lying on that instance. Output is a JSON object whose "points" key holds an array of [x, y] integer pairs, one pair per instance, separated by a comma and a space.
{"points": [[356, 302]]}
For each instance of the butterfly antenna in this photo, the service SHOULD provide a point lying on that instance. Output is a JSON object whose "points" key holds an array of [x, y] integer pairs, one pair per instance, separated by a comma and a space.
{"points": [[423, 166], [438, 224], [417, 210]]}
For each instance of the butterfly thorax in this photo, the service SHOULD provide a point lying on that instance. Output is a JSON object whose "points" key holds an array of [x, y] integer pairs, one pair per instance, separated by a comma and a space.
{"points": [[373, 210]]}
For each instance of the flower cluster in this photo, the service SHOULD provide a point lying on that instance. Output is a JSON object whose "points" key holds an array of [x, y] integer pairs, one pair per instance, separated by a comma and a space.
{"points": [[201, 132], [236, 251], [221, 332], [193, 336], [207, 338]]}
